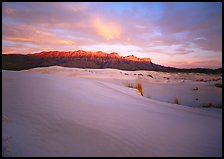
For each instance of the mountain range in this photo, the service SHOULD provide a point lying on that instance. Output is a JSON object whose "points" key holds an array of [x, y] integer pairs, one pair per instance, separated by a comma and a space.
{"points": [[88, 59]]}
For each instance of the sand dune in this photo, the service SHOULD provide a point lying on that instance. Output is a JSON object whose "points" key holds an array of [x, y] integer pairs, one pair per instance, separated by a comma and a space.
{"points": [[86, 112], [191, 89]]}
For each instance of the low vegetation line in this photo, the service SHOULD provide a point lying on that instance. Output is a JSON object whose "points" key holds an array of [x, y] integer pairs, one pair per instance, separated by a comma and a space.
{"points": [[138, 87], [176, 101]]}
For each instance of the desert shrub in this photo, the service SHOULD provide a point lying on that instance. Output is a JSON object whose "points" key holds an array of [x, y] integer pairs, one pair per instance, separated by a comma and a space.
{"points": [[201, 80], [140, 74], [130, 85], [195, 89], [215, 79], [219, 85], [176, 101], [150, 75], [166, 78], [139, 88], [210, 105]]}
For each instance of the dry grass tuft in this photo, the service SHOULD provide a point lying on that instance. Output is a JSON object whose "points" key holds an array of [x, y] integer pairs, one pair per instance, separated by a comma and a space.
{"points": [[139, 88], [201, 80], [176, 101], [208, 80], [166, 78], [195, 89], [130, 85], [215, 79], [210, 105], [219, 85], [140, 74], [150, 75]]}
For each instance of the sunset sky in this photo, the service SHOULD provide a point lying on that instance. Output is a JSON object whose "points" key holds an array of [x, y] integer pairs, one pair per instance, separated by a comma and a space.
{"points": [[184, 35]]}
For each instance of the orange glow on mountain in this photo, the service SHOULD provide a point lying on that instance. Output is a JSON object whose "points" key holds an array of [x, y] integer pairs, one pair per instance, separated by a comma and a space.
{"points": [[134, 58], [143, 29]]}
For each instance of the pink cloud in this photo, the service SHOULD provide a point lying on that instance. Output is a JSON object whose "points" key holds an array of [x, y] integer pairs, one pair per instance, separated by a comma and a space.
{"points": [[74, 25], [197, 64]]}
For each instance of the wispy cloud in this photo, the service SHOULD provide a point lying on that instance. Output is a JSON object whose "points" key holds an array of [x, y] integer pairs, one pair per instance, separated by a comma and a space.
{"points": [[108, 30], [161, 31]]}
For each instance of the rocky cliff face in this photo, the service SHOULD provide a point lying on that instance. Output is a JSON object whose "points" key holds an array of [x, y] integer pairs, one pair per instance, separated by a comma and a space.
{"points": [[84, 59], [88, 55], [80, 59]]}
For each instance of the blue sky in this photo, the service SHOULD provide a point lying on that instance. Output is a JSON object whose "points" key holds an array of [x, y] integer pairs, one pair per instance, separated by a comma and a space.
{"points": [[183, 34]]}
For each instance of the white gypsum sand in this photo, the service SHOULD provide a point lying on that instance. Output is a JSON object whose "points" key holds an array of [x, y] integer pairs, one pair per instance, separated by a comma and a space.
{"points": [[59, 111], [191, 89]]}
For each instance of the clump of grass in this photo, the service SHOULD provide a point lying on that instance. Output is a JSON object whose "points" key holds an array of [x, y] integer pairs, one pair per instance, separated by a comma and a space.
{"points": [[195, 89], [210, 105], [130, 85], [139, 88], [201, 80], [166, 78], [208, 80], [150, 75], [219, 85], [215, 79], [176, 101], [140, 74]]}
